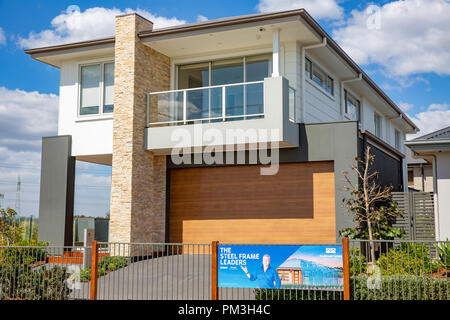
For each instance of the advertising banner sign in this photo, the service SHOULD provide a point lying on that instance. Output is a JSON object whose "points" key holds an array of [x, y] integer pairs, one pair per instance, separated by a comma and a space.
{"points": [[313, 267]]}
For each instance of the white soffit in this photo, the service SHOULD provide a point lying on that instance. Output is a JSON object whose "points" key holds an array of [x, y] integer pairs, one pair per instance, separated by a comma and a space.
{"points": [[229, 38]]}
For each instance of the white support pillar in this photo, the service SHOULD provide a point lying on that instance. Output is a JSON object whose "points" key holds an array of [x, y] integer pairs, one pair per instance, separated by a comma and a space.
{"points": [[276, 59]]}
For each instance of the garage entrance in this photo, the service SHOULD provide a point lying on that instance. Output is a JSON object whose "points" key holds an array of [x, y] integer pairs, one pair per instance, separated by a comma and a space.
{"points": [[235, 204]]}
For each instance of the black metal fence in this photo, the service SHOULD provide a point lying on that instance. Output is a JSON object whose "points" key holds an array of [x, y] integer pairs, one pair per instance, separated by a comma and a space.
{"points": [[42, 273], [394, 270], [399, 270]]}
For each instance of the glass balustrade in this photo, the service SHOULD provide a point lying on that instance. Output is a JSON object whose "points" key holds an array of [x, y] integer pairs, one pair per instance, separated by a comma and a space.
{"points": [[207, 104]]}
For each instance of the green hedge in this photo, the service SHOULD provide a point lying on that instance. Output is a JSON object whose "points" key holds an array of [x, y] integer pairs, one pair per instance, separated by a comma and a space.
{"points": [[401, 287], [24, 252], [105, 265], [21, 282], [294, 294]]}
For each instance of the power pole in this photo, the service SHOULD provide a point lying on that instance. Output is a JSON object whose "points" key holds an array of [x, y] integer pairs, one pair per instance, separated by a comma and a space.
{"points": [[2, 196], [17, 205]]}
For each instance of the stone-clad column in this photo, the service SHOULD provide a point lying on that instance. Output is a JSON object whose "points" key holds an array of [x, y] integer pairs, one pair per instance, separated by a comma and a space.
{"points": [[138, 185]]}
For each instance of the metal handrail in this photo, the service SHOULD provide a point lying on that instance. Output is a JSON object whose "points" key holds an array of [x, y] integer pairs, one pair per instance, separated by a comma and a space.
{"points": [[185, 120], [209, 87]]}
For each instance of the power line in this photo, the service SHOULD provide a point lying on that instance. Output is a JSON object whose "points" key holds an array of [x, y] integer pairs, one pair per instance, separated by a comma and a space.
{"points": [[76, 186], [6, 165]]}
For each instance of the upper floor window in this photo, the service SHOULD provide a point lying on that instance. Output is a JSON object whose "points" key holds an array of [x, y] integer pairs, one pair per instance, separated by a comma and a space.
{"points": [[226, 71], [352, 106], [316, 74], [377, 123], [97, 88], [398, 139]]}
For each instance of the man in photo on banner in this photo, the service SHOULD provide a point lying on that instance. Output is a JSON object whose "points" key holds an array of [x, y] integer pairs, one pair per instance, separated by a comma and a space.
{"points": [[266, 275]]}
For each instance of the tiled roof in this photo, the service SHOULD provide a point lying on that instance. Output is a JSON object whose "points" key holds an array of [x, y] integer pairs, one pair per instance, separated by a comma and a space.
{"points": [[442, 134]]}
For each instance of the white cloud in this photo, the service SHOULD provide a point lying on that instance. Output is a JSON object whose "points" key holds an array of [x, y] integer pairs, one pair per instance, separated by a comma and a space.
{"points": [[24, 114], [2, 37], [97, 22], [201, 18], [24, 118], [438, 107], [323, 9], [405, 106], [407, 36], [435, 118]]}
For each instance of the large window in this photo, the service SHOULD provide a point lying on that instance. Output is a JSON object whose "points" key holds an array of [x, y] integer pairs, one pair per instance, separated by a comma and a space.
{"points": [[239, 100], [317, 75], [352, 106], [97, 88], [377, 123], [227, 71]]}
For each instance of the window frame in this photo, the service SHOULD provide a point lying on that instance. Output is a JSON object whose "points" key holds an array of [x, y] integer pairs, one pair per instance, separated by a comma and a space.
{"points": [[210, 61], [398, 145], [353, 96], [309, 78], [101, 86]]}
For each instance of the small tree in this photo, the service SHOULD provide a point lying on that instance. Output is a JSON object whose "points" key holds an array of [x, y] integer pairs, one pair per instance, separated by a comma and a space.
{"points": [[367, 204], [10, 229]]}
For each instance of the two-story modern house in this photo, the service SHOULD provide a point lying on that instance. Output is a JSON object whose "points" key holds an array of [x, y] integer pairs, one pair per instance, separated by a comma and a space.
{"points": [[236, 130]]}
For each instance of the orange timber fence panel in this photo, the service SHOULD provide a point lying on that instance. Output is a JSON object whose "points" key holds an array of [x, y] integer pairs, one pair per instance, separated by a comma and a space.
{"points": [[214, 272], [346, 267], [94, 271]]}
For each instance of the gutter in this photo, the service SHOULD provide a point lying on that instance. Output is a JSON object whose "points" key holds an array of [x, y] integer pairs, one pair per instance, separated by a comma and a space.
{"points": [[302, 66], [75, 45], [431, 142]]}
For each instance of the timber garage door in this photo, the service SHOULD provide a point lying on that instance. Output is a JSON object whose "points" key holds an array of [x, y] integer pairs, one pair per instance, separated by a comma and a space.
{"points": [[235, 204]]}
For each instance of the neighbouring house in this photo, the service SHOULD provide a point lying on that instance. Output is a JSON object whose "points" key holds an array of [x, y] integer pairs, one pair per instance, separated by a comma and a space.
{"points": [[434, 148], [420, 173], [153, 104]]}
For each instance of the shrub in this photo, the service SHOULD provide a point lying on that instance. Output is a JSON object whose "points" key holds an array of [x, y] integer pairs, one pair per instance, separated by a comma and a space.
{"points": [[105, 265], [21, 253], [294, 294], [400, 287], [108, 263], [407, 259], [21, 282], [443, 250], [357, 261]]}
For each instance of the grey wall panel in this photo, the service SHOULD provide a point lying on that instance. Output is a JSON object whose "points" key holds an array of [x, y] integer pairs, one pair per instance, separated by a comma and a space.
{"points": [[335, 141], [57, 191]]}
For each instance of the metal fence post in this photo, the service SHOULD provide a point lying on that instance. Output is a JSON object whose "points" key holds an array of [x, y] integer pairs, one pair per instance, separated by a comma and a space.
{"points": [[214, 272], [346, 266], [94, 271]]}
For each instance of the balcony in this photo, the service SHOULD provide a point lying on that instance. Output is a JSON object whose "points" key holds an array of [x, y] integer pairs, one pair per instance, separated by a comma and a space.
{"points": [[175, 118]]}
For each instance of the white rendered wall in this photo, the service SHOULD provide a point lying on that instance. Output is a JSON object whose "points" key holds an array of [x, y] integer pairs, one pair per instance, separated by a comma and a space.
{"points": [[91, 135], [443, 194]]}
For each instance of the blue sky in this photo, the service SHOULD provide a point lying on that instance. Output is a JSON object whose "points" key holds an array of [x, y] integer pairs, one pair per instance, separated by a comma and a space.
{"points": [[405, 48]]}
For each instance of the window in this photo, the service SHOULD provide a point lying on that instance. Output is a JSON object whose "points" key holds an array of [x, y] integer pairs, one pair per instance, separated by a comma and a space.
{"points": [[411, 178], [398, 139], [352, 106], [240, 100], [226, 71], [377, 122], [97, 88], [316, 74]]}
